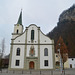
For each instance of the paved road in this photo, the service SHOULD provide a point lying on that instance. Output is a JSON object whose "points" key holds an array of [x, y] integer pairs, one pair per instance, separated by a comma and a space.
{"points": [[32, 72]]}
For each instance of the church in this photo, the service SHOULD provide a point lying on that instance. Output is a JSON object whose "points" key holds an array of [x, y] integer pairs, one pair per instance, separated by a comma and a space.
{"points": [[30, 49]]}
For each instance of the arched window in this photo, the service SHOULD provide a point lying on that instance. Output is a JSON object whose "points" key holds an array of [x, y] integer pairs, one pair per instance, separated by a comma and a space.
{"points": [[45, 52], [18, 52], [17, 31], [32, 35]]}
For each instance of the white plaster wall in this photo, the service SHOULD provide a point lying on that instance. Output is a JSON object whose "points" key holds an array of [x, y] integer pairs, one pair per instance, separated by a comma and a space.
{"points": [[66, 64], [35, 48], [32, 27], [49, 57], [21, 38], [72, 62], [44, 39], [14, 57]]}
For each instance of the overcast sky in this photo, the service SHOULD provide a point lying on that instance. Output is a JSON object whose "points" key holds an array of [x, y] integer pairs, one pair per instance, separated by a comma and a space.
{"points": [[43, 13]]}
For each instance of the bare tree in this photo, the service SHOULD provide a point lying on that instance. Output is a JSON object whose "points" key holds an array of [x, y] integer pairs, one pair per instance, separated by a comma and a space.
{"points": [[3, 46], [2, 50]]}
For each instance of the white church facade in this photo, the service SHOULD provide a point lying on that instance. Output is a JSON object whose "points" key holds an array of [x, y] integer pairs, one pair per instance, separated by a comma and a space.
{"points": [[30, 49]]}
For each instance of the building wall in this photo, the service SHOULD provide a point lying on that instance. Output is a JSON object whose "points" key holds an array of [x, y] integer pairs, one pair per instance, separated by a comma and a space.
{"points": [[72, 62], [57, 59], [14, 57], [49, 57], [24, 42], [47, 43], [66, 64]]}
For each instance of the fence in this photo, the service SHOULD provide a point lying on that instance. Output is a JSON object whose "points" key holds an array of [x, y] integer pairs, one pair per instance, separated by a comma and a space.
{"points": [[37, 72]]}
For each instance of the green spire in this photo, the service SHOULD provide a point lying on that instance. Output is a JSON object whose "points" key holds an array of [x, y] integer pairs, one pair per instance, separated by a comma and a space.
{"points": [[20, 18]]}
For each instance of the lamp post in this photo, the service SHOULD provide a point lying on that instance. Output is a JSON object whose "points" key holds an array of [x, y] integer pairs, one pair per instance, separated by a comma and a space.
{"points": [[61, 66]]}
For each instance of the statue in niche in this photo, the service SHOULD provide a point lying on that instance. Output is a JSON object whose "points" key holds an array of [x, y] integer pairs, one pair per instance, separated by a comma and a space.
{"points": [[32, 51]]}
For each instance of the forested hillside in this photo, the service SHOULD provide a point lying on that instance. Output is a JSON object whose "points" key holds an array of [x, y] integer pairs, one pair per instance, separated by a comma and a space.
{"points": [[66, 29]]}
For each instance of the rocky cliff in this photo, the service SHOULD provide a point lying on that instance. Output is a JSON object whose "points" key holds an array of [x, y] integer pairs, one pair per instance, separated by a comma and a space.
{"points": [[66, 29], [68, 14]]}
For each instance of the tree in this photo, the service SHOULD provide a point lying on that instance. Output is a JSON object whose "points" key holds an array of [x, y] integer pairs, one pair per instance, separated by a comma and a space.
{"points": [[3, 46], [2, 51], [63, 50]]}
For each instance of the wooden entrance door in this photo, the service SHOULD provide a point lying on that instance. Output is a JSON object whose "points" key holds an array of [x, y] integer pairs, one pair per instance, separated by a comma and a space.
{"points": [[31, 65]]}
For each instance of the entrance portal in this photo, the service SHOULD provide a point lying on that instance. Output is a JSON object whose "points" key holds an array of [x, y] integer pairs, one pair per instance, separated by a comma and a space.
{"points": [[31, 65]]}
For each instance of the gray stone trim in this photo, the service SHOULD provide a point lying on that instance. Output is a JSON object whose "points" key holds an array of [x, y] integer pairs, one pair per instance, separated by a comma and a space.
{"points": [[16, 33], [16, 69], [21, 69], [25, 66], [53, 53], [10, 58], [38, 48], [35, 63], [32, 57], [29, 44], [33, 25]]}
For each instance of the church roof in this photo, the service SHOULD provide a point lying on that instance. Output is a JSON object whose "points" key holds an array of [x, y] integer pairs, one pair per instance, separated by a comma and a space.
{"points": [[20, 18]]}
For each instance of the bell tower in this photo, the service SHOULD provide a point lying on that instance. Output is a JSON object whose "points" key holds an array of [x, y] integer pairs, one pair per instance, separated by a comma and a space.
{"points": [[18, 28]]}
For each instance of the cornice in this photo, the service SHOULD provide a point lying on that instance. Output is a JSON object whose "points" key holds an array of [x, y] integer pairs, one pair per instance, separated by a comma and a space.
{"points": [[32, 57], [29, 44], [16, 33]]}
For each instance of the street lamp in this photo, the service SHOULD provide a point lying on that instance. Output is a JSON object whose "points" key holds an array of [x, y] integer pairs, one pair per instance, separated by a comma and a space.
{"points": [[61, 66]]}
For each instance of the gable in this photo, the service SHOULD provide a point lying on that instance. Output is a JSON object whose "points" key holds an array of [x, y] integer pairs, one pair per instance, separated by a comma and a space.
{"points": [[44, 39]]}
